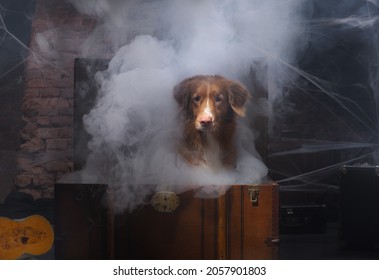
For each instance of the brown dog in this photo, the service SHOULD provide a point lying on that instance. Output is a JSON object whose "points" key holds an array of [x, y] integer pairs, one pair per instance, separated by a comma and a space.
{"points": [[210, 104]]}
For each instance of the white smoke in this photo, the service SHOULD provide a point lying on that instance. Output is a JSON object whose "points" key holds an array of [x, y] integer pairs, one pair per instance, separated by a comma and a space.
{"points": [[135, 125]]}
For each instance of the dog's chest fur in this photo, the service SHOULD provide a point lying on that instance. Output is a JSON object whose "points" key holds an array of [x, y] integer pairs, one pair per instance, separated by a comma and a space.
{"points": [[212, 152]]}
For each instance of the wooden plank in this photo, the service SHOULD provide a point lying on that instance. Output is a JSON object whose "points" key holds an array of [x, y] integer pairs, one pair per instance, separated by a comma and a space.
{"points": [[221, 228], [235, 224], [209, 221]]}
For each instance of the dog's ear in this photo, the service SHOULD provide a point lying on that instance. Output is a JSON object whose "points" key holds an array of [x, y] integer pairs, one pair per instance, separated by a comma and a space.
{"points": [[238, 95], [182, 93]]}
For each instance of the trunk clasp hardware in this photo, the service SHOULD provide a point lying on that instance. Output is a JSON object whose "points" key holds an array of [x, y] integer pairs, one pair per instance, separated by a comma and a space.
{"points": [[254, 195], [165, 201]]}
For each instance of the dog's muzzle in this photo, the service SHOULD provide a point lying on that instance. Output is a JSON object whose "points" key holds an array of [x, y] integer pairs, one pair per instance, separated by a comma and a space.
{"points": [[204, 122]]}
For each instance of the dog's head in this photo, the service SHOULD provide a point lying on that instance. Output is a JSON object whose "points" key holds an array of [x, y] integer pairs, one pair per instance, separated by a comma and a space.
{"points": [[210, 100]]}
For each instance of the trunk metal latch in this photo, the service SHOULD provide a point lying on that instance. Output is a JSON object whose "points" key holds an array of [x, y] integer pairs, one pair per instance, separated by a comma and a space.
{"points": [[165, 201], [254, 195]]}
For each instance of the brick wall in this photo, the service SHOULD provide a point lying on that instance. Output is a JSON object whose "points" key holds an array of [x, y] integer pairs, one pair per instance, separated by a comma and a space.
{"points": [[45, 153]]}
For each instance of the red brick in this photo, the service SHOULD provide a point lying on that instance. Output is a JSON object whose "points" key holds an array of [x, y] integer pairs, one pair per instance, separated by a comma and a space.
{"points": [[37, 170], [49, 106], [65, 82], [31, 93], [66, 132], [33, 74], [43, 180], [34, 145], [48, 133], [40, 27], [29, 104], [38, 83], [29, 131], [35, 61], [58, 144], [49, 92], [53, 73], [22, 180], [38, 21], [42, 187], [24, 163], [59, 166], [61, 120], [46, 111], [43, 120], [60, 102]]}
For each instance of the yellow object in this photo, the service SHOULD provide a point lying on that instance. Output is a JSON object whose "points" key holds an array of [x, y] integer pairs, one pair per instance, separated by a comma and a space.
{"points": [[32, 235]]}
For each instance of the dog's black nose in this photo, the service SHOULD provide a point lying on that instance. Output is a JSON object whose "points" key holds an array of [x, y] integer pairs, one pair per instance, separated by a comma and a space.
{"points": [[206, 122]]}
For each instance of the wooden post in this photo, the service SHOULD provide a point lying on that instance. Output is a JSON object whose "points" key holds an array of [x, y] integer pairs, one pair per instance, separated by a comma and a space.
{"points": [[222, 228]]}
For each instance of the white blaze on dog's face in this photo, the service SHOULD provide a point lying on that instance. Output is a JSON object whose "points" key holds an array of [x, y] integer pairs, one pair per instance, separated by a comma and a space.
{"points": [[210, 104], [211, 100]]}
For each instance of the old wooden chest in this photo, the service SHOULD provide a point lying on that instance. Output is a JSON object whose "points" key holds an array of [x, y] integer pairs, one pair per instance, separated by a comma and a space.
{"points": [[242, 224]]}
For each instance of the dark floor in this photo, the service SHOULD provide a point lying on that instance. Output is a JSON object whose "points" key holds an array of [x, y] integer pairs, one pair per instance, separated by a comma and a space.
{"points": [[321, 246], [306, 246]]}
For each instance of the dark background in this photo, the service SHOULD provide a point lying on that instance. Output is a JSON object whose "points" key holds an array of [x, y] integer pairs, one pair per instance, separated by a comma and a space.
{"points": [[15, 24]]}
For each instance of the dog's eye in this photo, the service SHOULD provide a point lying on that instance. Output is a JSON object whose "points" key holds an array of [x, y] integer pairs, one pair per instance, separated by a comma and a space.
{"points": [[218, 99], [196, 98]]}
